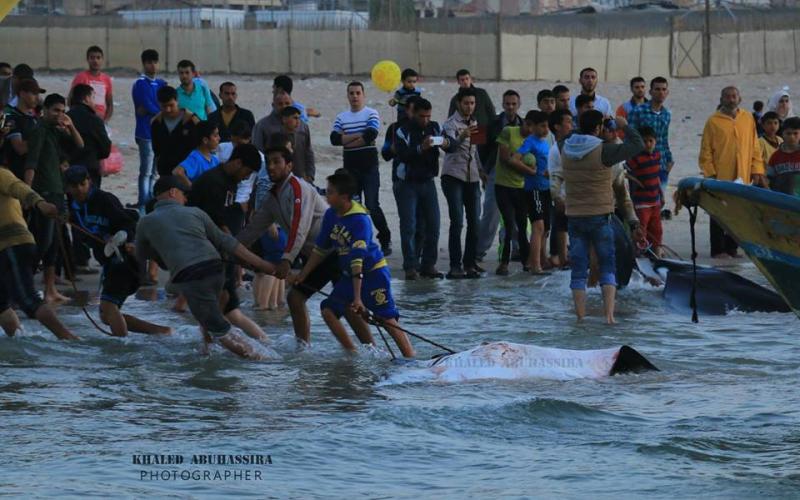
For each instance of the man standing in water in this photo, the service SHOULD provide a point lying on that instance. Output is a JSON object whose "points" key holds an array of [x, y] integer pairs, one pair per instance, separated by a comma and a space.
{"points": [[188, 243], [298, 208], [588, 178], [18, 258]]}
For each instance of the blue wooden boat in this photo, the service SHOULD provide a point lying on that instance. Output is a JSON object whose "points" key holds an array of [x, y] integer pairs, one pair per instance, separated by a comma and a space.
{"points": [[766, 224]]}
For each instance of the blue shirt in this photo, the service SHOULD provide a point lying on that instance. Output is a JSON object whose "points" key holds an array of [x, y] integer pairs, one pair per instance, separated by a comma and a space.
{"points": [[351, 237], [540, 148], [301, 109], [199, 101], [196, 164], [144, 92]]}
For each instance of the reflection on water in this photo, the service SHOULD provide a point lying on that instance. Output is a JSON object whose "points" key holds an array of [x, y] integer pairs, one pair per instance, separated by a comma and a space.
{"points": [[720, 418]]}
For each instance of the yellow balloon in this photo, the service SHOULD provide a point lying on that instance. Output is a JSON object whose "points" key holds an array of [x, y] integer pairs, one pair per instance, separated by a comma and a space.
{"points": [[386, 75]]}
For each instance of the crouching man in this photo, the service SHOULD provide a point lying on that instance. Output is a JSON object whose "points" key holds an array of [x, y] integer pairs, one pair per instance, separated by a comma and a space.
{"points": [[187, 242]]}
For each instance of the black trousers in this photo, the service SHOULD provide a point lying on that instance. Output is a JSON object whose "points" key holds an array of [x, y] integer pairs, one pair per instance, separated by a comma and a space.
{"points": [[513, 206], [721, 242]]}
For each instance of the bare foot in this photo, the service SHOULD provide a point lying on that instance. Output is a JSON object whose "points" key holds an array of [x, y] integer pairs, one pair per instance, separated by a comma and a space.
{"points": [[164, 330], [179, 308], [610, 320], [55, 297]]}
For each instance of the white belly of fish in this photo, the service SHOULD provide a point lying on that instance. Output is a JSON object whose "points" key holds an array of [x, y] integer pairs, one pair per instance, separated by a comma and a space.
{"points": [[506, 360]]}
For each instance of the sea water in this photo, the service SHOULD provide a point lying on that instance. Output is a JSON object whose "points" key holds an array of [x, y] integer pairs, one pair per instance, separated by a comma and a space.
{"points": [[719, 420]]}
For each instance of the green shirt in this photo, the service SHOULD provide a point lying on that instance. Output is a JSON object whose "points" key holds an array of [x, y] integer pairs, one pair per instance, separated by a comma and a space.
{"points": [[505, 174], [46, 149]]}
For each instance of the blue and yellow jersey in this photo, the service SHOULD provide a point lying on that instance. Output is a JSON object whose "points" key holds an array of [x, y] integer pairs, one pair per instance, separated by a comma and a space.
{"points": [[351, 237]]}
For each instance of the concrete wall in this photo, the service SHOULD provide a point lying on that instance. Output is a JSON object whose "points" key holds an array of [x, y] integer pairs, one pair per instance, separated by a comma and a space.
{"points": [[518, 56], [554, 59], [443, 55], [522, 56], [259, 52]]}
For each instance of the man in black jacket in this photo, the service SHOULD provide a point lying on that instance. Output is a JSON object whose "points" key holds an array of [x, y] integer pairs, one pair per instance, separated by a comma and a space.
{"points": [[102, 214], [173, 132], [96, 143], [417, 147], [229, 112]]}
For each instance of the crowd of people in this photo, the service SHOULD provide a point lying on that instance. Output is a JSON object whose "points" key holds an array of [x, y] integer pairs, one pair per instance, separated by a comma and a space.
{"points": [[219, 191]]}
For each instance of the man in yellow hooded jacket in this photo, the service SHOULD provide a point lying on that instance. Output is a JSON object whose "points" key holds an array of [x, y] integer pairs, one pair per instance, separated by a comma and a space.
{"points": [[730, 151]]}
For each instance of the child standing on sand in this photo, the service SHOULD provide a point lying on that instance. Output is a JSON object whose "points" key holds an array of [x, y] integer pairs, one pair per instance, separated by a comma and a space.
{"points": [[645, 186]]}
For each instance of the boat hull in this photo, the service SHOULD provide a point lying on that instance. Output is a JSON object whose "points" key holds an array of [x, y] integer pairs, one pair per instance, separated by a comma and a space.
{"points": [[766, 225]]}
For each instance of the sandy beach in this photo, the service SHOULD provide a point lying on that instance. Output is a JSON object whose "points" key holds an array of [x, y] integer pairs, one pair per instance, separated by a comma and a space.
{"points": [[691, 102]]}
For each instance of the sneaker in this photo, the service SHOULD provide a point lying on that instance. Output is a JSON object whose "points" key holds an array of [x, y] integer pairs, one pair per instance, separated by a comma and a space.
{"points": [[411, 275], [666, 215], [432, 273], [456, 274], [502, 270]]}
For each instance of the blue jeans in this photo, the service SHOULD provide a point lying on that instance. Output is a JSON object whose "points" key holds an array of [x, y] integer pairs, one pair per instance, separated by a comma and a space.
{"points": [[146, 176], [417, 202], [585, 233], [369, 182], [462, 198]]}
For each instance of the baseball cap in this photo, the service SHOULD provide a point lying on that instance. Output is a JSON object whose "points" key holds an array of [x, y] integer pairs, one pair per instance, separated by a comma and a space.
{"points": [[165, 183], [30, 85], [75, 175]]}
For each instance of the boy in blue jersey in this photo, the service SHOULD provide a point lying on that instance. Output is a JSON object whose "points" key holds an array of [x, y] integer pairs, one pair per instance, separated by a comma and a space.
{"points": [[537, 187], [365, 281], [408, 89]]}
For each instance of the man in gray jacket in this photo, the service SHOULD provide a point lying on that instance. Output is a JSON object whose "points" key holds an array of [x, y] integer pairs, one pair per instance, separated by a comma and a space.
{"points": [[461, 185], [298, 208], [187, 242], [285, 120]]}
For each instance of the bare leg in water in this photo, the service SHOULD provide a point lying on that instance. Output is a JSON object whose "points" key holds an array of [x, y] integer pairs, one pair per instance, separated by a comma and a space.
{"points": [[121, 323], [338, 330], [399, 336], [609, 297], [299, 312], [9, 321]]}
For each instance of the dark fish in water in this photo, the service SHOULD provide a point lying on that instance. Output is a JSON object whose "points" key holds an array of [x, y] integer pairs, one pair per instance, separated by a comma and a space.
{"points": [[718, 291]]}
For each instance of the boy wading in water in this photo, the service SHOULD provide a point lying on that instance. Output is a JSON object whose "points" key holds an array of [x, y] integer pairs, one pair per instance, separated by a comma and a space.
{"points": [[365, 281]]}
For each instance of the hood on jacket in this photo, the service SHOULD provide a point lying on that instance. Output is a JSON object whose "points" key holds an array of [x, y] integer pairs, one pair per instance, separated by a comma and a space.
{"points": [[577, 146]]}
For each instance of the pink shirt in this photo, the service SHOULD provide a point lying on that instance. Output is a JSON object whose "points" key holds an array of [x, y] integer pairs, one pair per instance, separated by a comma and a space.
{"points": [[102, 88]]}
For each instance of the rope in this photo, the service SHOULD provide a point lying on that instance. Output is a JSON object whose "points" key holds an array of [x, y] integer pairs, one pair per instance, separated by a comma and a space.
{"points": [[693, 296], [378, 321], [386, 342], [68, 271]]}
